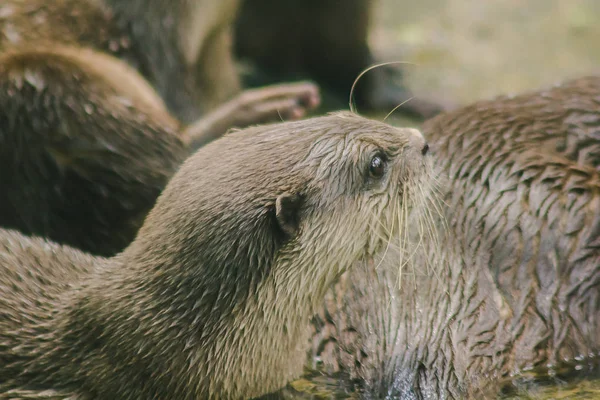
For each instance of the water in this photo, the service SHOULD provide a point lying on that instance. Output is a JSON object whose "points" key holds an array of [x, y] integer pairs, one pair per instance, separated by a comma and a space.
{"points": [[585, 386], [574, 385]]}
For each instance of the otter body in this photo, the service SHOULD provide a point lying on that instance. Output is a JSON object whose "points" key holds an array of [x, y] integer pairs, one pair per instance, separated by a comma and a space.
{"points": [[87, 93], [214, 296], [168, 43], [82, 159], [518, 278]]}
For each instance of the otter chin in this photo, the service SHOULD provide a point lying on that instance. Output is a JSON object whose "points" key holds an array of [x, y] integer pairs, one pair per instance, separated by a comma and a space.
{"points": [[213, 298]]}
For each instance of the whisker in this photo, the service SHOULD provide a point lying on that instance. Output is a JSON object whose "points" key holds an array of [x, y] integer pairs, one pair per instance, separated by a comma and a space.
{"points": [[376, 217], [384, 239], [438, 192], [425, 224], [399, 216], [397, 107], [405, 238], [437, 207], [350, 103], [387, 247], [434, 262]]}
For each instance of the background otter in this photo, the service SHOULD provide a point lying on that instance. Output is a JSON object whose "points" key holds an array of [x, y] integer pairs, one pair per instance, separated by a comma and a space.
{"points": [[86, 143], [325, 40], [214, 296], [519, 281], [182, 48]]}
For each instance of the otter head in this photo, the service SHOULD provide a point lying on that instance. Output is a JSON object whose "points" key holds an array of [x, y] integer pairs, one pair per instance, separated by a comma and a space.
{"points": [[249, 234], [304, 199], [359, 177]]}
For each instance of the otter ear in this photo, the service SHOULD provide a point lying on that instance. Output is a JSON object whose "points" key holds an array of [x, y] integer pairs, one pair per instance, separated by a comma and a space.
{"points": [[287, 212]]}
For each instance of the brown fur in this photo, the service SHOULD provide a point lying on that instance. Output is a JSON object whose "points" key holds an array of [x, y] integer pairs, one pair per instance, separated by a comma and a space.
{"points": [[520, 285], [82, 160], [148, 34], [86, 144], [213, 298]]}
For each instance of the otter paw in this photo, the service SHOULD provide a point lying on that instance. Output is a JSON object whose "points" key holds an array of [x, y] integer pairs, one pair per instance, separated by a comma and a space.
{"points": [[275, 103]]}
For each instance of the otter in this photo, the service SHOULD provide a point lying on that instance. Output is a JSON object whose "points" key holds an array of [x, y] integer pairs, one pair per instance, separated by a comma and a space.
{"points": [[213, 298], [91, 125], [516, 288], [326, 40], [181, 48]]}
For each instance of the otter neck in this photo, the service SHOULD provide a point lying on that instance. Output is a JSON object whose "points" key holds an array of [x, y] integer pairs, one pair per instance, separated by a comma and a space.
{"points": [[290, 287], [263, 322]]}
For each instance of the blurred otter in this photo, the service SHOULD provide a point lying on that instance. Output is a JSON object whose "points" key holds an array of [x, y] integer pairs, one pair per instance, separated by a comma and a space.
{"points": [[182, 48], [325, 40], [213, 298], [87, 93], [517, 286]]}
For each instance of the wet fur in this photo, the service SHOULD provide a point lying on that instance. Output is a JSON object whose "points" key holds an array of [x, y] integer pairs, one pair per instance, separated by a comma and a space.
{"points": [[520, 287], [213, 298]]}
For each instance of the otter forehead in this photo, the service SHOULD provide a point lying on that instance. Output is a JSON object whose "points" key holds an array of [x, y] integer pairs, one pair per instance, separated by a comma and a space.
{"points": [[350, 133], [267, 156], [297, 138], [374, 133]]}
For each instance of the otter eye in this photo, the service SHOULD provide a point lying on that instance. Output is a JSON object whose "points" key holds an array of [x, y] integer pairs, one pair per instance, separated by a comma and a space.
{"points": [[377, 166]]}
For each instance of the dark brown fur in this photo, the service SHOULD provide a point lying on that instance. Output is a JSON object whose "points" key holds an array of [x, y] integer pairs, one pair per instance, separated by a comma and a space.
{"points": [[326, 40], [82, 163], [213, 298], [86, 144], [520, 287], [144, 33]]}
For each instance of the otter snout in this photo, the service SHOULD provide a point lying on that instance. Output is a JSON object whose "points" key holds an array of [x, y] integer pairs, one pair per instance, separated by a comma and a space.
{"points": [[415, 133], [417, 140]]}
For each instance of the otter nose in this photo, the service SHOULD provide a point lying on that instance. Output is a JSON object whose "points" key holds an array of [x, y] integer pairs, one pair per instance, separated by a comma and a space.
{"points": [[418, 141]]}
